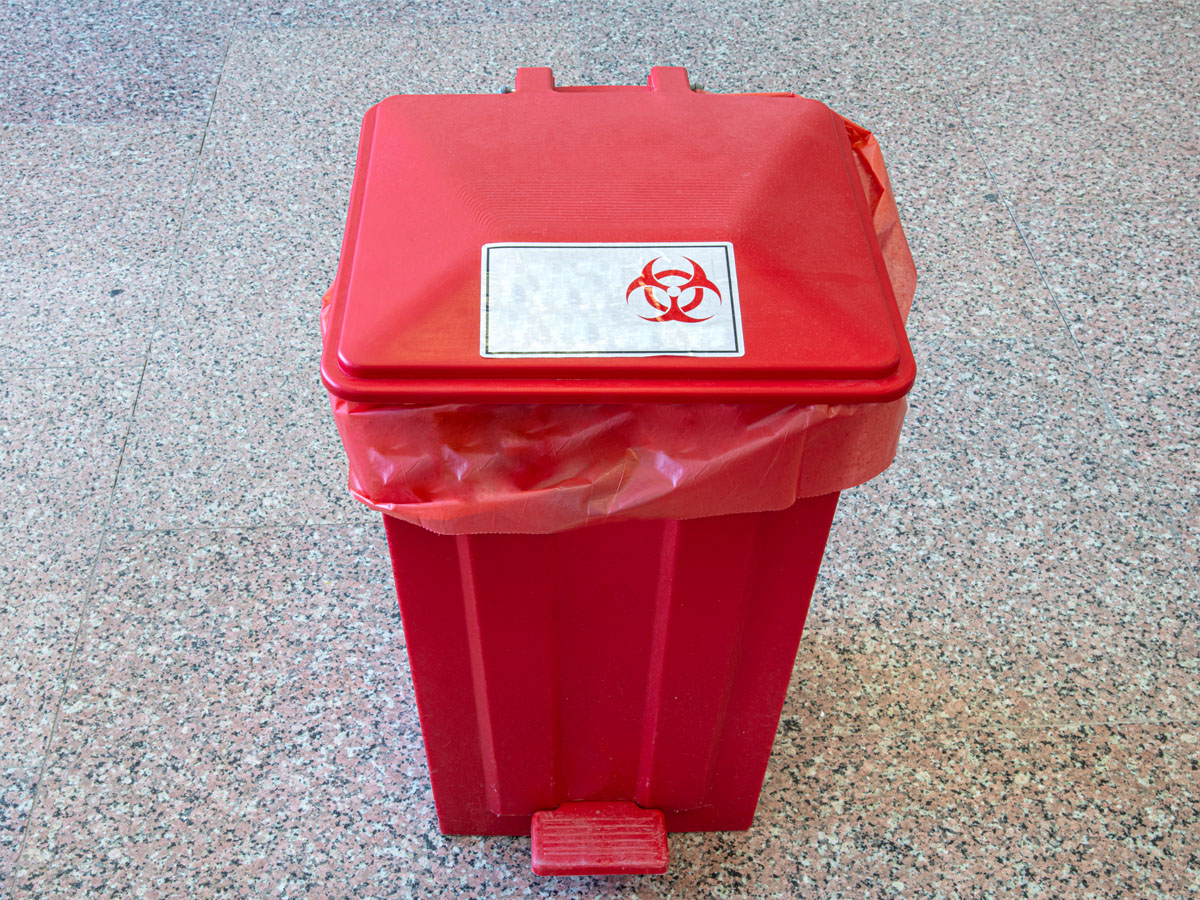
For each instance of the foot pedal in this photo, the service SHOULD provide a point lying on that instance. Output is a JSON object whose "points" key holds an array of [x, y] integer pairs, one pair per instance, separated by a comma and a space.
{"points": [[611, 838]]}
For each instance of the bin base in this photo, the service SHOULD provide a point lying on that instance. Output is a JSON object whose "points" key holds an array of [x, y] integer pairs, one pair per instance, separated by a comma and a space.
{"points": [[612, 838]]}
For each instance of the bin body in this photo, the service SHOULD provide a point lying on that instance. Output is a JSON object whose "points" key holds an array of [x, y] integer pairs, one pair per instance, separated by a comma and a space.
{"points": [[644, 661], [605, 357]]}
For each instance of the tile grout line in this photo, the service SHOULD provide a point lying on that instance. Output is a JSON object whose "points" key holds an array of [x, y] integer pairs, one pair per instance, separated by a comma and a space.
{"points": [[171, 275], [1104, 403], [371, 521], [33, 799], [172, 269], [952, 96], [104, 525], [1138, 470]]}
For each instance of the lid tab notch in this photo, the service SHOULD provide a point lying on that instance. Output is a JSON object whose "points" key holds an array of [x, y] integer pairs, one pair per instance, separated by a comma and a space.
{"points": [[671, 79], [534, 78]]}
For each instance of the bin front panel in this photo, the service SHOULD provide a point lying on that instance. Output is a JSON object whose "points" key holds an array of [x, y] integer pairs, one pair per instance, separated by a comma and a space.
{"points": [[643, 661]]}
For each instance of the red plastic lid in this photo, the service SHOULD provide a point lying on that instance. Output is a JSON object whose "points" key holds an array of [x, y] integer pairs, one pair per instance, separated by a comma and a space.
{"points": [[609, 245]]}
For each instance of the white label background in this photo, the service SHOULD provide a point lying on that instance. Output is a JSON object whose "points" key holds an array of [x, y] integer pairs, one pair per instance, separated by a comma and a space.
{"points": [[569, 300]]}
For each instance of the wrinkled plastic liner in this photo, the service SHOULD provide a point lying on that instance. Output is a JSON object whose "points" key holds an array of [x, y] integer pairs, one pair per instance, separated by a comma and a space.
{"points": [[543, 468]]}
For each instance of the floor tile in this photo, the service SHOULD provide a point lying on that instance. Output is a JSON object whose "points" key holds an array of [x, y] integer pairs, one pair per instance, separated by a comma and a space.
{"points": [[938, 176], [1126, 278], [97, 62], [80, 196], [1014, 555], [258, 251], [85, 239], [867, 677], [281, 82], [976, 278], [863, 60], [235, 427], [1011, 494], [1094, 811], [43, 579], [199, 705], [272, 326], [1052, 96], [232, 442], [51, 317], [1185, 510], [1027, 400], [619, 42], [967, 545], [381, 14], [239, 720], [62, 433], [1142, 83]]}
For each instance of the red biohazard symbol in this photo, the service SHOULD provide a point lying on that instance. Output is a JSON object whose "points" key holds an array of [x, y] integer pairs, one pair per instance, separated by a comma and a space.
{"points": [[673, 285]]}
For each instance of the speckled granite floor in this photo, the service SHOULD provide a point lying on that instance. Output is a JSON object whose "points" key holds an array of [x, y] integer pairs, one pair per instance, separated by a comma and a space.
{"points": [[204, 687]]}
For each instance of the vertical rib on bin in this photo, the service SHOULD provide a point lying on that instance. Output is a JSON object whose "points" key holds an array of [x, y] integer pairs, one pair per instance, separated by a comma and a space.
{"points": [[512, 644], [701, 605]]}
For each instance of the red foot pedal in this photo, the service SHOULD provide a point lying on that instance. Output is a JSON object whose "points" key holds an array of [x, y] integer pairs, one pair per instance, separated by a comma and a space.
{"points": [[614, 838]]}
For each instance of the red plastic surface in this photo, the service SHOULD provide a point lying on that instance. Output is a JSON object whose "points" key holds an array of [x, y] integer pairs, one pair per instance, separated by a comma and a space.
{"points": [[779, 176], [642, 661], [606, 838]]}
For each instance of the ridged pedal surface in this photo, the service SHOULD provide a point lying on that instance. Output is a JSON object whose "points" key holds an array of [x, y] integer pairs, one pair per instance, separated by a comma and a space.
{"points": [[599, 838]]}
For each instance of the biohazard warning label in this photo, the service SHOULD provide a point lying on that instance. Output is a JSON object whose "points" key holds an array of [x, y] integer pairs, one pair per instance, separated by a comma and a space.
{"points": [[670, 299]]}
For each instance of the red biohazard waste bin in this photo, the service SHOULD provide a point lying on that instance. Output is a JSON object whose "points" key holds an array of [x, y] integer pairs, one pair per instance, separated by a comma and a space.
{"points": [[604, 357]]}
